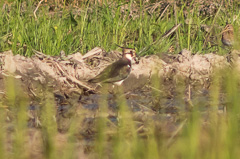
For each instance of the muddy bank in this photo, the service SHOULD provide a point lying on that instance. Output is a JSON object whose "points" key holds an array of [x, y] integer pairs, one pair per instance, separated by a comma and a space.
{"points": [[70, 73], [166, 82]]}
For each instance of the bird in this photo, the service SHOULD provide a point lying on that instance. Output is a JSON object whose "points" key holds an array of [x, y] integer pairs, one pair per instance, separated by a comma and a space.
{"points": [[228, 35], [118, 71]]}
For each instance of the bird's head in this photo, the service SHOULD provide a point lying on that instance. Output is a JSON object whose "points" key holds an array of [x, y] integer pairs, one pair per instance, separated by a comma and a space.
{"points": [[129, 53], [228, 29]]}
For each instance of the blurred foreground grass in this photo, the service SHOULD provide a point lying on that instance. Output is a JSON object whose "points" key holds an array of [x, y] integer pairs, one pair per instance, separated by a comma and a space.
{"points": [[198, 134]]}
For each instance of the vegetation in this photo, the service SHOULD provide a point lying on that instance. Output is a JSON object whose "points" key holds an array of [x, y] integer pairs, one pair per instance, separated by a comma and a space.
{"points": [[82, 25], [75, 26]]}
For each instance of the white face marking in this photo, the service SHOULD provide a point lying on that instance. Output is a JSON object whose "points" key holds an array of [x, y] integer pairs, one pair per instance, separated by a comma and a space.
{"points": [[129, 66], [129, 56]]}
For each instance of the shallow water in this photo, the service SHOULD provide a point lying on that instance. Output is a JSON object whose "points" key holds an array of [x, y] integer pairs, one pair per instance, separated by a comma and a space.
{"points": [[167, 105]]}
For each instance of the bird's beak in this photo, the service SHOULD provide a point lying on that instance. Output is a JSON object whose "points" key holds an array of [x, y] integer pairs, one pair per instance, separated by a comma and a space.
{"points": [[136, 59]]}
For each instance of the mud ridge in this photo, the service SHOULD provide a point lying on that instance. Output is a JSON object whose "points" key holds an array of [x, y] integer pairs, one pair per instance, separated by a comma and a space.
{"points": [[72, 72]]}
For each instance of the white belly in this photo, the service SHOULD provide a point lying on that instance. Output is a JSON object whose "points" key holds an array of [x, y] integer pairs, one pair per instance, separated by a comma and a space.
{"points": [[119, 82]]}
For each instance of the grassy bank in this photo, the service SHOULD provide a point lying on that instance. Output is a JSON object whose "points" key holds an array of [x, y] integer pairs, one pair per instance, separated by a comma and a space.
{"points": [[53, 26]]}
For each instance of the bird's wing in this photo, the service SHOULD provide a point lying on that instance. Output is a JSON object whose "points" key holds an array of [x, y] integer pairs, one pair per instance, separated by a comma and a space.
{"points": [[119, 73], [103, 75], [115, 72]]}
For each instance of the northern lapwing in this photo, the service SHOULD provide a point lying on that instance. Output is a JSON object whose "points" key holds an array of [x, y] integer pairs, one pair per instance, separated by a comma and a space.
{"points": [[228, 35], [118, 71], [228, 39]]}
